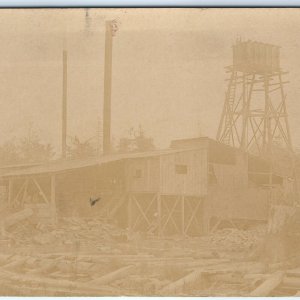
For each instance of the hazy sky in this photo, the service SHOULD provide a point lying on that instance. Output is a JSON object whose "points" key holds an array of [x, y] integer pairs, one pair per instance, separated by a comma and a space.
{"points": [[168, 68]]}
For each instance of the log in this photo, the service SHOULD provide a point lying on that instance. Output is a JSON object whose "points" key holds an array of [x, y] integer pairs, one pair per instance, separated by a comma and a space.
{"points": [[42, 292], [110, 277], [54, 291], [17, 217], [291, 282], [293, 273], [15, 263], [202, 263], [49, 283], [178, 285], [256, 276], [297, 294], [44, 266], [268, 285]]}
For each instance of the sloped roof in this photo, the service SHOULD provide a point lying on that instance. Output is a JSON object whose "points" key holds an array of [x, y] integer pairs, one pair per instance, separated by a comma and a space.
{"points": [[58, 166]]}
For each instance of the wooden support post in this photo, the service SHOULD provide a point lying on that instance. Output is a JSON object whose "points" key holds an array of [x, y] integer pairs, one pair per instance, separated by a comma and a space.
{"points": [[10, 191], [130, 213], [159, 214], [110, 30], [24, 198], [53, 200], [15, 201], [40, 190], [159, 204], [182, 215], [64, 105]]}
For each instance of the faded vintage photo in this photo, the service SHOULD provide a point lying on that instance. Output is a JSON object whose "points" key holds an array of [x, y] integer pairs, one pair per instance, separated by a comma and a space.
{"points": [[150, 152]]}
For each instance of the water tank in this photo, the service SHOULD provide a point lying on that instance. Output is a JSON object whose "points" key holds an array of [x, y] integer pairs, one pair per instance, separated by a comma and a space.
{"points": [[255, 57]]}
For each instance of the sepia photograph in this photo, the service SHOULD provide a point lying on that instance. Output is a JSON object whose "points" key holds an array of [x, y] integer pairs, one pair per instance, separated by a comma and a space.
{"points": [[150, 152]]}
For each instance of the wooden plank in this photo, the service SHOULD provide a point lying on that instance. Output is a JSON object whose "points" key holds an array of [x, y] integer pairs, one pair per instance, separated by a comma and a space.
{"points": [[194, 213], [177, 286], [40, 189], [291, 282], [129, 212], [17, 262], [10, 191], [53, 198], [117, 206], [50, 291], [159, 214], [48, 282], [297, 294], [170, 215], [25, 192], [293, 273], [20, 191], [268, 285], [17, 217], [182, 215], [143, 214], [110, 277]]}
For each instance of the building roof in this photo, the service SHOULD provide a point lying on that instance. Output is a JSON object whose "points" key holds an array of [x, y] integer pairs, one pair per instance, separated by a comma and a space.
{"points": [[59, 166]]}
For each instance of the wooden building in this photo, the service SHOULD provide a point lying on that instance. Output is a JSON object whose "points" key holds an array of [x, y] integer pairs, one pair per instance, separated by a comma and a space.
{"points": [[190, 188]]}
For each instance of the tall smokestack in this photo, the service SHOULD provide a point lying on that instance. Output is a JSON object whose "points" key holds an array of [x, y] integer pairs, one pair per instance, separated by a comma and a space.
{"points": [[111, 28], [64, 106]]}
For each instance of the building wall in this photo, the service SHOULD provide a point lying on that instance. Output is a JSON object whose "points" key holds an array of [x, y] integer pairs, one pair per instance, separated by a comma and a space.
{"points": [[247, 204], [231, 176], [142, 174], [182, 173]]}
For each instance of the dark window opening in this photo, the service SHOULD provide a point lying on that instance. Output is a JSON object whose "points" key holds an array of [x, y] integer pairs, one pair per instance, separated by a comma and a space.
{"points": [[181, 169], [138, 173]]}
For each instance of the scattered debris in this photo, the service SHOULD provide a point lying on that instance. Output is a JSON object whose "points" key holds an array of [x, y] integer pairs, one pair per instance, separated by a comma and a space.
{"points": [[94, 257]]}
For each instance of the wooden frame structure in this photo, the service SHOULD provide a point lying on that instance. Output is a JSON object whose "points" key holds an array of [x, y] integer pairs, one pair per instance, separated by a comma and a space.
{"points": [[166, 192], [165, 214], [29, 191], [254, 115]]}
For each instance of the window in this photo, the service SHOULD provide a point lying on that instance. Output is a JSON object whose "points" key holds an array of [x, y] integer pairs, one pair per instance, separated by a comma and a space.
{"points": [[138, 173], [181, 169]]}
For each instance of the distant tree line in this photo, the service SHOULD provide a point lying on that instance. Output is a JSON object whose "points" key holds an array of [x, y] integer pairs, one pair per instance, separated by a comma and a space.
{"points": [[26, 150], [31, 149]]}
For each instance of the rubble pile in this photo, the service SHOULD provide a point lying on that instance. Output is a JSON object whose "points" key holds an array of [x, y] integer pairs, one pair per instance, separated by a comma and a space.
{"points": [[233, 239], [75, 232], [95, 257]]}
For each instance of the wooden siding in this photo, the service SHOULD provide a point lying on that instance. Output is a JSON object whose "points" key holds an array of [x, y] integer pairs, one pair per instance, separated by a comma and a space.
{"points": [[148, 181], [232, 176], [247, 204], [194, 182], [158, 174]]}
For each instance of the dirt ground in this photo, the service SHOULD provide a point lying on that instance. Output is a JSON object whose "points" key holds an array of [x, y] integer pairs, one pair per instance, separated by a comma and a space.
{"points": [[93, 257]]}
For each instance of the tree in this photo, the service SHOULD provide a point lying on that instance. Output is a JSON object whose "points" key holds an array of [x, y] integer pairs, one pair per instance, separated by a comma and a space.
{"points": [[32, 150], [9, 153], [136, 142], [78, 149], [29, 149]]}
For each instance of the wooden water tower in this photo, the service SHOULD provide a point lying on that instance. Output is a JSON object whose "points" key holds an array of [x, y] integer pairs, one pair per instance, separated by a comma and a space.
{"points": [[254, 115]]}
